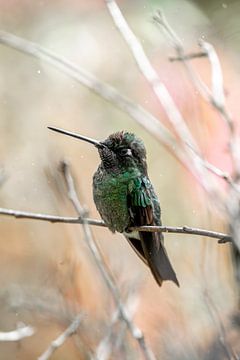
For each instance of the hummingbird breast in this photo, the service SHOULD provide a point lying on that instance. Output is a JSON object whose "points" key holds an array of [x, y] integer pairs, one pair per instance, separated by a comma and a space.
{"points": [[110, 196]]}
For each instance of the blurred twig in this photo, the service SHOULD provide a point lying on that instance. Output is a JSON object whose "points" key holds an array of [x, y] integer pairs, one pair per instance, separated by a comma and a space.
{"points": [[187, 56], [174, 116], [214, 313], [106, 275], [215, 96], [20, 333], [223, 238], [102, 89], [59, 341], [104, 349], [150, 123]]}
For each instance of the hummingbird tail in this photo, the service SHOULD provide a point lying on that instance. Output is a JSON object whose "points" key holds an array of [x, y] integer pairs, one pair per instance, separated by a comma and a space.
{"points": [[150, 248], [157, 258]]}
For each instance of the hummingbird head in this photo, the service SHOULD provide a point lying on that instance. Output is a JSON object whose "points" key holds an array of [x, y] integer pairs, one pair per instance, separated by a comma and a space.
{"points": [[121, 150]]}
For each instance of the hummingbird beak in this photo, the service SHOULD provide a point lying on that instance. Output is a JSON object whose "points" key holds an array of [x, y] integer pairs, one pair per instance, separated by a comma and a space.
{"points": [[96, 143]]}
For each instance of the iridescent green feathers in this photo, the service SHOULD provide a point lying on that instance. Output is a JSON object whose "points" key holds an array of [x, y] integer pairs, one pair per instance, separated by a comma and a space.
{"points": [[124, 197], [137, 189]]}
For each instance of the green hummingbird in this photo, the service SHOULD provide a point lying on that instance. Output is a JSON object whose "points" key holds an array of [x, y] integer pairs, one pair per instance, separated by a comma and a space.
{"points": [[125, 198]]}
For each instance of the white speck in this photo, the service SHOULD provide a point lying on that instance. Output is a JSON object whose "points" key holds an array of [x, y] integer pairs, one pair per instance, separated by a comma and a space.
{"points": [[203, 36], [39, 71], [224, 5]]}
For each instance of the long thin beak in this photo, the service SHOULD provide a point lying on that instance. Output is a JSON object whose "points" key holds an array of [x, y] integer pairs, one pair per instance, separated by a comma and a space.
{"points": [[77, 136]]}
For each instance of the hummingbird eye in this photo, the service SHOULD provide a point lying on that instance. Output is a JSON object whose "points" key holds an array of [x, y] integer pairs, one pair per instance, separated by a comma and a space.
{"points": [[125, 152]]}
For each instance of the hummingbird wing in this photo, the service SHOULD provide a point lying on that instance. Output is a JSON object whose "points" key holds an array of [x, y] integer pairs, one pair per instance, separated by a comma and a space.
{"points": [[144, 210]]}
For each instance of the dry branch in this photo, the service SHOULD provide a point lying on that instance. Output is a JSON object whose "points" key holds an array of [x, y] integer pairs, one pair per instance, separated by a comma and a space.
{"points": [[223, 238]]}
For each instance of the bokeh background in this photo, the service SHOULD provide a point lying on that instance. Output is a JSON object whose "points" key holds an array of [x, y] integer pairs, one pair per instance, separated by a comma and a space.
{"points": [[46, 271]]}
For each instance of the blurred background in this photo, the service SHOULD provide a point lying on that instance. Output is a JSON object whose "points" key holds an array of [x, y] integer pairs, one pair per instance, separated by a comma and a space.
{"points": [[46, 271]]}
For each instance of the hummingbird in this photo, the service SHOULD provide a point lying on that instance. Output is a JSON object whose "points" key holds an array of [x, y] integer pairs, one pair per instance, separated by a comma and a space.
{"points": [[125, 198]]}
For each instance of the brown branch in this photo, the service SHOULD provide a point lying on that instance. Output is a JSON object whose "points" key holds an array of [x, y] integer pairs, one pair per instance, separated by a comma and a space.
{"points": [[104, 271], [223, 238], [59, 341]]}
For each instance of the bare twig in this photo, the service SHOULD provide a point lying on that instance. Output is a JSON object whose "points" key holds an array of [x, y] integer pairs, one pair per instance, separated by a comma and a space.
{"points": [[220, 173], [59, 341], [18, 334], [187, 56], [108, 278], [177, 44], [78, 220], [218, 96]]}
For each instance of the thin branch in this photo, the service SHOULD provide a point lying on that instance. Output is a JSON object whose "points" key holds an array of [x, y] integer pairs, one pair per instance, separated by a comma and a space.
{"points": [[18, 334], [106, 275], [217, 88], [177, 44], [220, 173], [59, 341], [223, 238], [187, 56]]}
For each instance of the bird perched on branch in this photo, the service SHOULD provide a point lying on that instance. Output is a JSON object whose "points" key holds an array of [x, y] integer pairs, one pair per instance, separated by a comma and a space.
{"points": [[125, 198]]}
